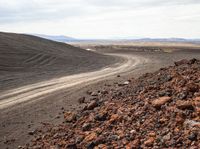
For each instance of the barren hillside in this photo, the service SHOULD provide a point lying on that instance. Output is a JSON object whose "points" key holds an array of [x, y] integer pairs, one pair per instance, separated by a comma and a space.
{"points": [[25, 59]]}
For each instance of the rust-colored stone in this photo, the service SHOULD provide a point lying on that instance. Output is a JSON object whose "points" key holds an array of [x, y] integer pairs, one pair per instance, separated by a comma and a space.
{"points": [[160, 101]]}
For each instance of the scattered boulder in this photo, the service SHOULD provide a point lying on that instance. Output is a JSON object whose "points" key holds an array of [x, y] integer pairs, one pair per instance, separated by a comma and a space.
{"points": [[192, 123], [182, 95], [157, 110], [152, 134], [114, 118], [196, 103], [69, 116], [104, 92], [89, 92], [149, 142], [192, 136], [183, 105], [192, 87], [167, 137], [192, 61], [90, 137], [157, 103], [86, 126], [181, 62], [126, 83], [71, 146], [94, 94], [92, 105], [101, 116], [81, 100], [31, 133]]}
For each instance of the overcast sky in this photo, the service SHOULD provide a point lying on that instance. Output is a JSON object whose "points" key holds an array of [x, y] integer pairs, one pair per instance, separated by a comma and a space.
{"points": [[102, 18]]}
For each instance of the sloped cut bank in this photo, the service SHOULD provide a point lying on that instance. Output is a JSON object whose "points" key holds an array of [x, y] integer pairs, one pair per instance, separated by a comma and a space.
{"points": [[158, 110]]}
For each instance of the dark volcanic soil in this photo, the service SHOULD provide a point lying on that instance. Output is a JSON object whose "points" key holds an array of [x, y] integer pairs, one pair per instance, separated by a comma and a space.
{"points": [[18, 125], [26, 59], [157, 110]]}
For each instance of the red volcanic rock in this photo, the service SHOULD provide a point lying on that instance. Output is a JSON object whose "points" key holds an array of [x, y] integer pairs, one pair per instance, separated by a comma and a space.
{"points": [[149, 142], [160, 101], [192, 87], [196, 103], [90, 137], [157, 110], [69, 116], [92, 105], [184, 105], [181, 62]]}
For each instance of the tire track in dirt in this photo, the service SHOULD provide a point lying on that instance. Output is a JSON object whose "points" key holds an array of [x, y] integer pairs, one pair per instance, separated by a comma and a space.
{"points": [[38, 90]]}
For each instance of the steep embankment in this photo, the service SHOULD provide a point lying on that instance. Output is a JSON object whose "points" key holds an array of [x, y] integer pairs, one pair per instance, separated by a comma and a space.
{"points": [[26, 59], [157, 110]]}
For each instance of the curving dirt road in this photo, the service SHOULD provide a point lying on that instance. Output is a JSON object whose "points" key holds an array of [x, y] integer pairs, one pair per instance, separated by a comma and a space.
{"points": [[38, 90], [33, 91], [24, 108]]}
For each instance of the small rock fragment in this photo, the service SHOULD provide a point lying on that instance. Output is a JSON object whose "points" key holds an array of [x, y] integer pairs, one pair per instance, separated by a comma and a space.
{"points": [[149, 142], [104, 92], [71, 146], [160, 101], [90, 137], [192, 87], [126, 83], [31, 132], [81, 100], [192, 136], [101, 116], [86, 126], [182, 95], [114, 118], [167, 137], [196, 104], [183, 105], [181, 62], [92, 105], [94, 94], [133, 131], [69, 116], [152, 134]]}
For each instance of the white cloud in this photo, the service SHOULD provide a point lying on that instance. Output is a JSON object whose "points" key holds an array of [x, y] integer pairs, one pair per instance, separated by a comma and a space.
{"points": [[102, 18]]}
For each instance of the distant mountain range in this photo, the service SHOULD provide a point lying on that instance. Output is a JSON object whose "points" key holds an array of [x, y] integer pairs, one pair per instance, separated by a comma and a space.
{"points": [[62, 38], [59, 38], [166, 40]]}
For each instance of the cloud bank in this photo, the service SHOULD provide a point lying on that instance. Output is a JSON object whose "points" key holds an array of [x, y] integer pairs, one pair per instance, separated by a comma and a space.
{"points": [[102, 18]]}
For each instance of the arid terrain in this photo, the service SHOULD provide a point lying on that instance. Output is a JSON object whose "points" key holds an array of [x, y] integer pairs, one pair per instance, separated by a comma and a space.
{"points": [[38, 59], [157, 110], [41, 79]]}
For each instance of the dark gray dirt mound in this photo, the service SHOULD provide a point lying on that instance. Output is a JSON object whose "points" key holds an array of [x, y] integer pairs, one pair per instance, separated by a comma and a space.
{"points": [[26, 59]]}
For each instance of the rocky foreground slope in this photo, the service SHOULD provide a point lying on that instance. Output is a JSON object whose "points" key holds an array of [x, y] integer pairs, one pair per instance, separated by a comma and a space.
{"points": [[157, 110]]}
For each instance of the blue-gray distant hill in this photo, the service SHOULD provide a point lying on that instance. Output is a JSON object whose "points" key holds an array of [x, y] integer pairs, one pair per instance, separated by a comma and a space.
{"points": [[59, 38], [62, 38], [181, 40]]}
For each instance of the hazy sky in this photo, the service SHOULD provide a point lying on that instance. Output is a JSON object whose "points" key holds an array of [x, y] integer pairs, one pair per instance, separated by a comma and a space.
{"points": [[102, 18]]}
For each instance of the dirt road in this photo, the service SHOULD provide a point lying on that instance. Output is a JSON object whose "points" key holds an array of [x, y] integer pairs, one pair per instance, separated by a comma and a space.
{"points": [[33, 91], [24, 108]]}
